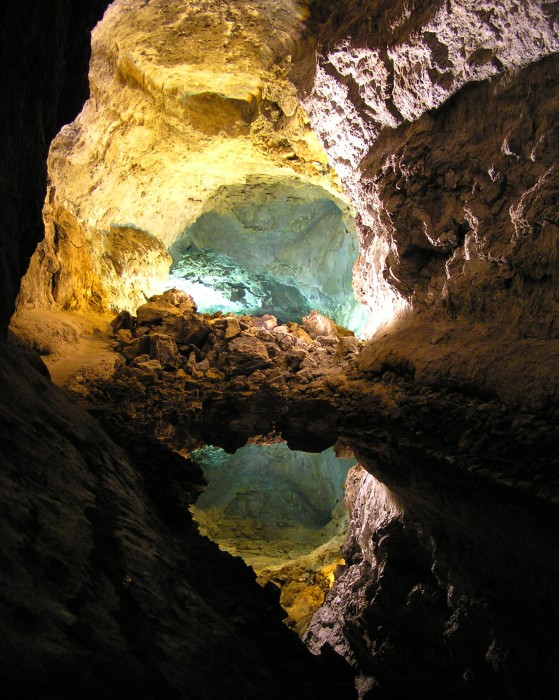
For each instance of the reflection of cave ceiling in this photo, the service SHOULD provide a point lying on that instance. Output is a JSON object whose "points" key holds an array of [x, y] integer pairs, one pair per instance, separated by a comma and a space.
{"points": [[269, 492]]}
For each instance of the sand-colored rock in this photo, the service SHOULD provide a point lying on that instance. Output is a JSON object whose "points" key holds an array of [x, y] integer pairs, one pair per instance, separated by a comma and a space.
{"points": [[183, 113]]}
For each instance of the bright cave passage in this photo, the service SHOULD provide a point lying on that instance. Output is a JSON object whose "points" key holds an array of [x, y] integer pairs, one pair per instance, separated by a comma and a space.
{"points": [[280, 248], [283, 512]]}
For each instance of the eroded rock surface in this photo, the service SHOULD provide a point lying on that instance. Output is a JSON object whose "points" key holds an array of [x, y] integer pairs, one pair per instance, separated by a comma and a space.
{"points": [[424, 113], [190, 111], [464, 479], [440, 119]]}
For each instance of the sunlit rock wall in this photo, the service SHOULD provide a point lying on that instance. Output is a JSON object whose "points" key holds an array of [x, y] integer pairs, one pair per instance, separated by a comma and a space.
{"points": [[450, 159], [186, 99]]}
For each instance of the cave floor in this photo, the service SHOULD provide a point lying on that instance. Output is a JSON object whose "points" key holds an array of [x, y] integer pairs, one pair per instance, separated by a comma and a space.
{"points": [[71, 343]]}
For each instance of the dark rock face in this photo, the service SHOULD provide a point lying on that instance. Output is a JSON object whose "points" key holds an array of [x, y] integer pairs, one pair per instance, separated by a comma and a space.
{"points": [[464, 492], [107, 589], [45, 58], [446, 589], [441, 120]]}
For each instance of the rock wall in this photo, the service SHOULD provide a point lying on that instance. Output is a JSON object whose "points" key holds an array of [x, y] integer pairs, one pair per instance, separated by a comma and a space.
{"points": [[187, 102], [440, 119], [449, 159], [106, 588], [445, 592], [43, 86]]}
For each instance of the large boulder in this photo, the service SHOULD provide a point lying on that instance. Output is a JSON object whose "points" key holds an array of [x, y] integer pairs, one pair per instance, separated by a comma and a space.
{"points": [[245, 355]]}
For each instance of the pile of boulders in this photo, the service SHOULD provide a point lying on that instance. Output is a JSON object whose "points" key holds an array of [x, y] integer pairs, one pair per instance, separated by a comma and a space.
{"points": [[169, 335]]}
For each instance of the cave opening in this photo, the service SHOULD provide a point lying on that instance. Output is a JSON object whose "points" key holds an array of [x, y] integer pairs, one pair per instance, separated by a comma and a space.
{"points": [[282, 511], [271, 247]]}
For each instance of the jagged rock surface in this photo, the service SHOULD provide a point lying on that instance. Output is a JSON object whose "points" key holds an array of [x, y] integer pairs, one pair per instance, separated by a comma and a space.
{"points": [[464, 479], [190, 111], [43, 86], [449, 160], [429, 589], [107, 588], [457, 581]]}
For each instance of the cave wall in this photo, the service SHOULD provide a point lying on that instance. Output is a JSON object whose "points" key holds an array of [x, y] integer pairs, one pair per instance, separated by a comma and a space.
{"points": [[414, 595], [44, 85], [107, 589], [440, 119], [447, 588], [187, 100]]}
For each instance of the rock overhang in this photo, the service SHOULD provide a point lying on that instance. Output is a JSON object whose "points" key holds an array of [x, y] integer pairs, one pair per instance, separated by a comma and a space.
{"points": [[189, 106]]}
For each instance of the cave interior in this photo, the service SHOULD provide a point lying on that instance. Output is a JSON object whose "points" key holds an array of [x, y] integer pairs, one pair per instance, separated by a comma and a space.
{"points": [[279, 349]]}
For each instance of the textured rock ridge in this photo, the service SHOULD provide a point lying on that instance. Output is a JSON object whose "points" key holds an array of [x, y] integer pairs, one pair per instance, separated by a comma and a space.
{"points": [[434, 219], [425, 591]]}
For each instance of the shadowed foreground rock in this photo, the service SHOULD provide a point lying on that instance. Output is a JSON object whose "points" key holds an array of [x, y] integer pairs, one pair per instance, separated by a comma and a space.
{"points": [[454, 532], [107, 589]]}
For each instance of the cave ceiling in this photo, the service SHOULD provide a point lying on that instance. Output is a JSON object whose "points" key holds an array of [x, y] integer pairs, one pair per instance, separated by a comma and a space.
{"points": [[192, 116]]}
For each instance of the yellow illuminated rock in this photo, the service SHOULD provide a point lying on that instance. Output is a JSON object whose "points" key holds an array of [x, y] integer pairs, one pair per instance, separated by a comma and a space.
{"points": [[186, 99]]}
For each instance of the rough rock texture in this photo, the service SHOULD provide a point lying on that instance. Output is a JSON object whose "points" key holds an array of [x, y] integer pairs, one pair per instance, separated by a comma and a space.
{"points": [[465, 488], [448, 158], [440, 119], [427, 606], [107, 589], [190, 104], [43, 86], [293, 232]]}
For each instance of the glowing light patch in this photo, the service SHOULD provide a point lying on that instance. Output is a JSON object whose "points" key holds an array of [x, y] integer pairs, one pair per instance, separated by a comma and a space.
{"points": [[207, 298], [216, 282]]}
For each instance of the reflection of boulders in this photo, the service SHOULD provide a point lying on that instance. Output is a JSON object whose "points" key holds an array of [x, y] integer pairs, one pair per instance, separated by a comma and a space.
{"points": [[240, 368], [438, 426], [187, 388], [106, 587]]}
